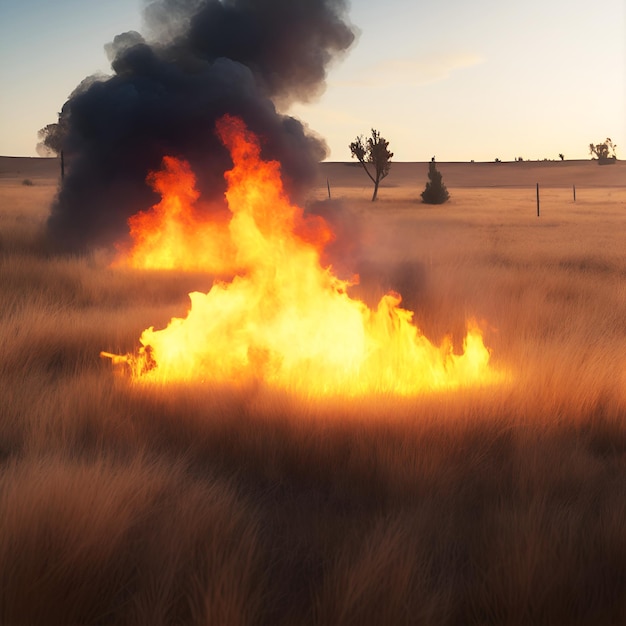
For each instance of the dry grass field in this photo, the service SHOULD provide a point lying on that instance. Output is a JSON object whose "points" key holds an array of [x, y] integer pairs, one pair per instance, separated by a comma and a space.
{"points": [[123, 504]]}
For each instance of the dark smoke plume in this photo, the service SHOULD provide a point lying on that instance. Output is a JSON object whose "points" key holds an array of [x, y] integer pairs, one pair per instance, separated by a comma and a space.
{"points": [[199, 60]]}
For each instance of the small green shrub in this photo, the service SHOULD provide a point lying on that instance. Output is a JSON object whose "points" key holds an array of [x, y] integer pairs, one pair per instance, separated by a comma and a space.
{"points": [[435, 192]]}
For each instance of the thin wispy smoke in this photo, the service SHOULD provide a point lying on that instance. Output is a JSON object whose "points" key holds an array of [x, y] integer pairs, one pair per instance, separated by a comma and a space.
{"points": [[197, 60]]}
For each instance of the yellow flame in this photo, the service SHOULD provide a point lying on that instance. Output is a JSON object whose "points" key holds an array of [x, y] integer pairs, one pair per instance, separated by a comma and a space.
{"points": [[286, 320]]}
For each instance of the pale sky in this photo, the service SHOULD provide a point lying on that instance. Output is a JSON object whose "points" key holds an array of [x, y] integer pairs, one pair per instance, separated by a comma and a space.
{"points": [[451, 78]]}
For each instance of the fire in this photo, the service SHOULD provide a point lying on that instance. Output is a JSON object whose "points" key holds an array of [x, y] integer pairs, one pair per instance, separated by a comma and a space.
{"points": [[173, 234], [283, 319]]}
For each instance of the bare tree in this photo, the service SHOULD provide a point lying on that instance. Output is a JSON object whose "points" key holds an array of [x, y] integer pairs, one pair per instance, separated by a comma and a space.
{"points": [[373, 151]]}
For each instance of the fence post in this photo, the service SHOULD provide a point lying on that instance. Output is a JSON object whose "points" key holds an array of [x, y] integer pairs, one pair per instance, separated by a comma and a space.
{"points": [[328, 185], [574, 188], [537, 199]]}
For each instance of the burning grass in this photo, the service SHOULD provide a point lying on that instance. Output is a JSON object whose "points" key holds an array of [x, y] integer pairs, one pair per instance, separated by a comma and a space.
{"points": [[282, 317], [195, 503]]}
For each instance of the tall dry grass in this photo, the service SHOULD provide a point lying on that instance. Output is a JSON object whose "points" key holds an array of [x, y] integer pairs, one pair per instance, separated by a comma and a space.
{"points": [[211, 505]]}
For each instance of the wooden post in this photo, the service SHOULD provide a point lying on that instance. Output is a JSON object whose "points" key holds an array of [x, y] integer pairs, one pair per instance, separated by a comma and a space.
{"points": [[537, 199], [328, 185], [62, 166], [574, 188]]}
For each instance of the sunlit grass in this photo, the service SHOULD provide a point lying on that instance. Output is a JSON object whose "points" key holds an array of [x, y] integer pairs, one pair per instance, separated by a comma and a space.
{"points": [[208, 504]]}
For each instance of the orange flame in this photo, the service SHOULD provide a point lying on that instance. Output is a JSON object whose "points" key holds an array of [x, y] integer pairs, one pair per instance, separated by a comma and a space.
{"points": [[173, 234], [284, 319]]}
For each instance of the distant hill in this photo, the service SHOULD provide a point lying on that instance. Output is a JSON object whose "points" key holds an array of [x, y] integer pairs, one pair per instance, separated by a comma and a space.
{"points": [[585, 173], [29, 167]]}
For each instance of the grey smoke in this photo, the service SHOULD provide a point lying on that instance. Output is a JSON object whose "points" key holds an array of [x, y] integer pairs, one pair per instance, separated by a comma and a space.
{"points": [[198, 60]]}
